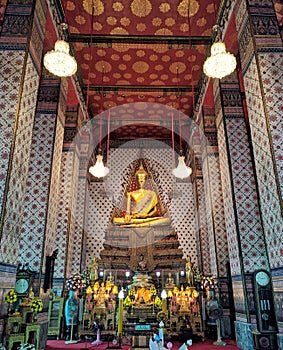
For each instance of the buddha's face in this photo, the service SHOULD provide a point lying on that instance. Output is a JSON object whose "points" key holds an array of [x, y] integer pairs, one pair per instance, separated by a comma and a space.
{"points": [[141, 179]]}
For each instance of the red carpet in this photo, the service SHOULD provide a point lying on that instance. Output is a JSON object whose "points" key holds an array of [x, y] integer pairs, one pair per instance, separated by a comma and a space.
{"points": [[206, 345]]}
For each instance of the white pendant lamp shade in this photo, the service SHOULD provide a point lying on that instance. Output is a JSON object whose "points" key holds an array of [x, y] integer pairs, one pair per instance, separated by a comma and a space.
{"points": [[220, 63], [99, 170], [59, 62], [182, 171]]}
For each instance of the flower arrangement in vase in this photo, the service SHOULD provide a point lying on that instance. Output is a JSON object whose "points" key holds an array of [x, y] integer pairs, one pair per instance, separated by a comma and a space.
{"points": [[75, 282], [209, 282], [36, 304], [10, 298]]}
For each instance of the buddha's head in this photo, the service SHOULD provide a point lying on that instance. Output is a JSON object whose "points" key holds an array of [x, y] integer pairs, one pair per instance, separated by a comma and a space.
{"points": [[141, 175]]}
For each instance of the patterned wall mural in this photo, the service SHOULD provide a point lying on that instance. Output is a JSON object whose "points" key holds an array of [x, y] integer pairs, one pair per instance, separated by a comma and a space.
{"points": [[269, 199], [37, 192], [50, 240], [21, 152], [12, 60], [243, 179]]}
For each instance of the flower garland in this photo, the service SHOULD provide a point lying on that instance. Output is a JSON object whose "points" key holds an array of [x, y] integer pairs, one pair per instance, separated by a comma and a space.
{"points": [[36, 305], [209, 282], [11, 297], [75, 282]]}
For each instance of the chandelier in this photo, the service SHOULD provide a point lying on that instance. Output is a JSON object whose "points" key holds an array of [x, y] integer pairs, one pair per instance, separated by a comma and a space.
{"points": [[221, 63], [99, 170], [182, 171], [58, 61]]}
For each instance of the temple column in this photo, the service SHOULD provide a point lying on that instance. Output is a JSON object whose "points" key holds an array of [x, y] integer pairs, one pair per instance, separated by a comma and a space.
{"points": [[261, 54], [21, 43], [213, 193], [67, 262], [244, 227], [203, 241], [216, 224], [82, 206], [41, 200]]}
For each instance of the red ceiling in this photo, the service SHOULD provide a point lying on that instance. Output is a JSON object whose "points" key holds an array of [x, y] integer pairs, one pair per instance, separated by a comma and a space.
{"points": [[128, 60]]}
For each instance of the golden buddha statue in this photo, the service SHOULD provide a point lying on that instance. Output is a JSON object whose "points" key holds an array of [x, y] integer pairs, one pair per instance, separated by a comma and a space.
{"points": [[190, 272], [142, 204]]}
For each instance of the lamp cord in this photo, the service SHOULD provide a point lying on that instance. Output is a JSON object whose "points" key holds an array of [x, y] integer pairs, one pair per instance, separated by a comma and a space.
{"points": [[191, 62], [179, 117], [173, 144], [108, 137], [90, 60]]}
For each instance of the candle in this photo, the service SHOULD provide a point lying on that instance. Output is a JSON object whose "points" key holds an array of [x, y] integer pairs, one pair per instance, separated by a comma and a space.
{"points": [[120, 312]]}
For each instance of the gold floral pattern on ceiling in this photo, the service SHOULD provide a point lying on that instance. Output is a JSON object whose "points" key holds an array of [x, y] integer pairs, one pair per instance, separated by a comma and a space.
{"points": [[157, 13], [95, 7], [164, 7], [140, 67], [141, 8], [139, 63], [118, 6], [183, 8]]}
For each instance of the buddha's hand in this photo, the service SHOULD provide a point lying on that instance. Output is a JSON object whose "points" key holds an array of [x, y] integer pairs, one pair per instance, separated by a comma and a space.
{"points": [[127, 217]]}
